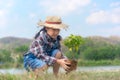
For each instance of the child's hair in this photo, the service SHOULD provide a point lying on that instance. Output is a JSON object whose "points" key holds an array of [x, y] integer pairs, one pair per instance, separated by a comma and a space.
{"points": [[38, 33]]}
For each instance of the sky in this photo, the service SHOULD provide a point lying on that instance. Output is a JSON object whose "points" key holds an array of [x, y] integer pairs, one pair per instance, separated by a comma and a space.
{"points": [[19, 18]]}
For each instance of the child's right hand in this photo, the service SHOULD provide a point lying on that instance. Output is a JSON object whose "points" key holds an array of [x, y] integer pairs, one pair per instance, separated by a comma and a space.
{"points": [[63, 63]]}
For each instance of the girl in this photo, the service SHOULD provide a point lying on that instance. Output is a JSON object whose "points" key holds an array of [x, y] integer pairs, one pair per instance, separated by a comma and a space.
{"points": [[45, 50]]}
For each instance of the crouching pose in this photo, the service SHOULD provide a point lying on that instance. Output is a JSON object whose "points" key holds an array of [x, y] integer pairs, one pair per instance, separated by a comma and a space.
{"points": [[45, 49]]}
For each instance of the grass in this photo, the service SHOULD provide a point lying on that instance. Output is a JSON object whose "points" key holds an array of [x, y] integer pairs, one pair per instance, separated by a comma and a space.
{"points": [[81, 62], [71, 76], [99, 62]]}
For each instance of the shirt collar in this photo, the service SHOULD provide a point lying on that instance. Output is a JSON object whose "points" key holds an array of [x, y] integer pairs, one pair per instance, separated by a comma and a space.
{"points": [[49, 39]]}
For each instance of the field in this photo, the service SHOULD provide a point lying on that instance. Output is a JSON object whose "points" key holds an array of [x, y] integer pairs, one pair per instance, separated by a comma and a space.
{"points": [[72, 76]]}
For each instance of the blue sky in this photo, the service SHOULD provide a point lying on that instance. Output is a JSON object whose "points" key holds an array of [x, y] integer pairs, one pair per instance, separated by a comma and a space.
{"points": [[19, 18]]}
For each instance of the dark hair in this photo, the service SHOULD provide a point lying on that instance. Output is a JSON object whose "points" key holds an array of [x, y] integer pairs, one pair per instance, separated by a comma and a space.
{"points": [[38, 33]]}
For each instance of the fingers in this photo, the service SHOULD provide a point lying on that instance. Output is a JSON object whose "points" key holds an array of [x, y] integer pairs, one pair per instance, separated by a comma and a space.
{"points": [[67, 66], [64, 63]]}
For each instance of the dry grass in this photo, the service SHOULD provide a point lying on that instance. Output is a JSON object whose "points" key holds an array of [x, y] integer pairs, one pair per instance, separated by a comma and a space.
{"points": [[71, 76]]}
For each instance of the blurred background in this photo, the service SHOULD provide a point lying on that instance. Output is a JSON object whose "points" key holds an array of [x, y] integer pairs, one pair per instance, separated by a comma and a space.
{"points": [[93, 36]]}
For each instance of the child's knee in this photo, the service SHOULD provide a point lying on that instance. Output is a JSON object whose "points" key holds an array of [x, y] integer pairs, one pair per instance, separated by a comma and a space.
{"points": [[58, 54]]}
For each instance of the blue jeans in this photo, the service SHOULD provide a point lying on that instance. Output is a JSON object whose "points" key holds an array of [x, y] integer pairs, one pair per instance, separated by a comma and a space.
{"points": [[31, 61]]}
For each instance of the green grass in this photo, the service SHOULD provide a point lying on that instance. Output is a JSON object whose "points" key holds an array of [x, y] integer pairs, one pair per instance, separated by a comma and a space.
{"points": [[71, 76], [81, 62], [115, 62], [11, 65]]}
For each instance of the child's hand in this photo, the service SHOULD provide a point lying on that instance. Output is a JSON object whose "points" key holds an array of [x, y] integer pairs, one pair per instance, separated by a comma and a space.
{"points": [[72, 65], [63, 63]]}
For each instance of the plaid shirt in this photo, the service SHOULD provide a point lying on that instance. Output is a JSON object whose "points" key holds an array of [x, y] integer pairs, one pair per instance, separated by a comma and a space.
{"points": [[43, 45]]}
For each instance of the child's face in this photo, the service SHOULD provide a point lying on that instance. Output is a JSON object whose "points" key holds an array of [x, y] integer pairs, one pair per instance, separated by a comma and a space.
{"points": [[52, 32]]}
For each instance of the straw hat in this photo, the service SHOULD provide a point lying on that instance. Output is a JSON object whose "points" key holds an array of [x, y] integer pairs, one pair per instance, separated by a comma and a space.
{"points": [[53, 22]]}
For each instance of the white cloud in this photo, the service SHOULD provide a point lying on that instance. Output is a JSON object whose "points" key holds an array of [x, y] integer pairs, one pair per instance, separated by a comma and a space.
{"points": [[4, 11], [3, 18], [115, 4], [98, 17], [94, 4], [63, 7], [102, 16], [113, 30], [115, 17], [32, 15]]}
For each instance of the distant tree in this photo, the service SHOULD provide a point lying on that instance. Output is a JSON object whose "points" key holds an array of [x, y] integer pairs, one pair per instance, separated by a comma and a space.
{"points": [[5, 56], [21, 49], [101, 53], [117, 52]]}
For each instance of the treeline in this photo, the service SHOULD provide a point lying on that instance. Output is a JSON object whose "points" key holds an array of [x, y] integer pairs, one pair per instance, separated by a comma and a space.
{"points": [[12, 57], [99, 50], [91, 49], [96, 49]]}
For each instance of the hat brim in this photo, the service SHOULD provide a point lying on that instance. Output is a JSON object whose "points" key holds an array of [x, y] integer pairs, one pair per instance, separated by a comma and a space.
{"points": [[56, 26]]}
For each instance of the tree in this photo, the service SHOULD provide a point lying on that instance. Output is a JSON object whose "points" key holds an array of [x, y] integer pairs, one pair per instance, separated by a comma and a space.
{"points": [[5, 56], [19, 53], [73, 42], [22, 49]]}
